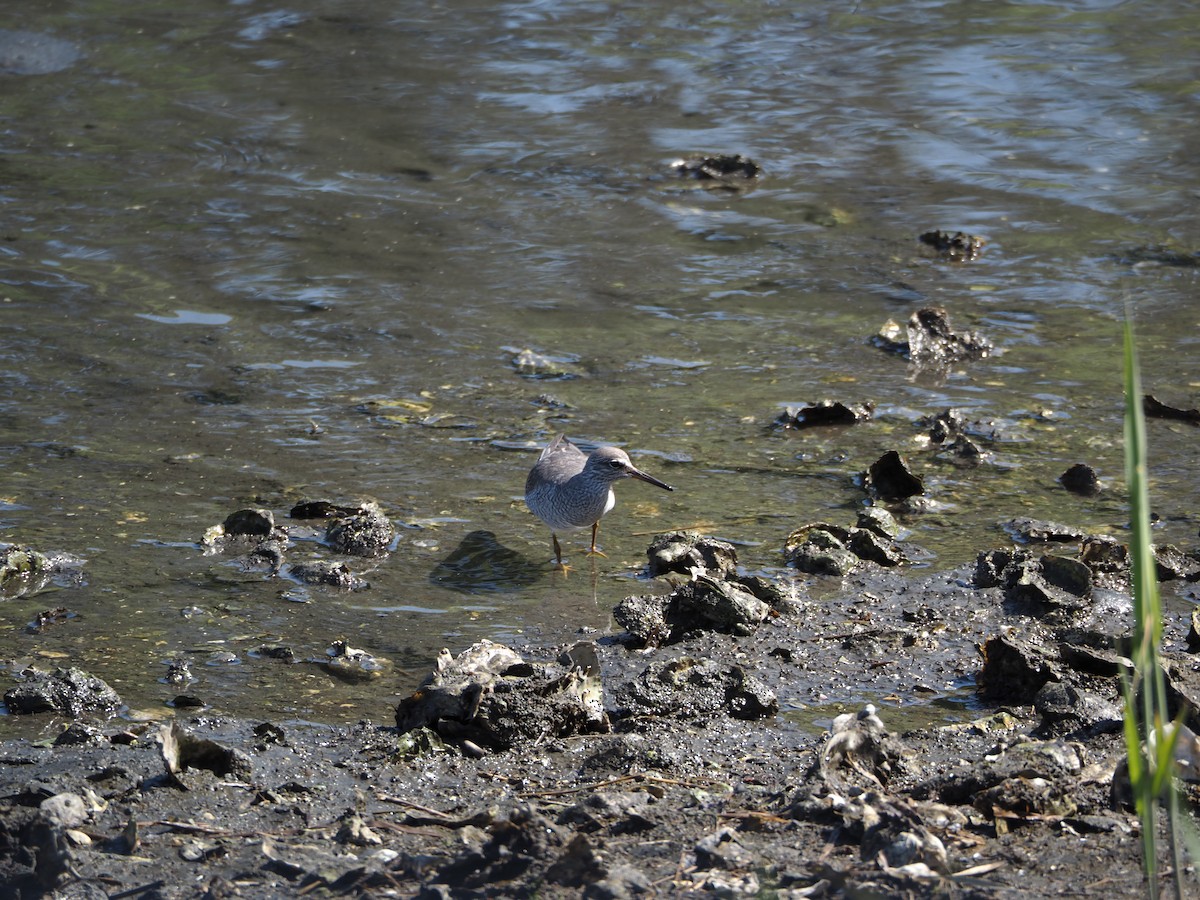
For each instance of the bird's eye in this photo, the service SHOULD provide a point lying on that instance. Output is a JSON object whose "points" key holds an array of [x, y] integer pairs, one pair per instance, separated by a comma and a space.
{"points": [[616, 464]]}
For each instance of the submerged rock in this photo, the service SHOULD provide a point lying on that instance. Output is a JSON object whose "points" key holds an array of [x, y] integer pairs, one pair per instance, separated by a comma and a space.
{"points": [[825, 412], [34, 53], [957, 246], [24, 570], [929, 343], [731, 172], [1081, 479]]}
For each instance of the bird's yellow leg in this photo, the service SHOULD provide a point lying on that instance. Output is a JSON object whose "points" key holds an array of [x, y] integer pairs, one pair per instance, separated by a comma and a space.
{"points": [[593, 551], [558, 554]]}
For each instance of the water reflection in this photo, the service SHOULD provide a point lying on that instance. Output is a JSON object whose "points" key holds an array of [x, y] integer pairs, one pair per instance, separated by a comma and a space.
{"points": [[481, 564]]}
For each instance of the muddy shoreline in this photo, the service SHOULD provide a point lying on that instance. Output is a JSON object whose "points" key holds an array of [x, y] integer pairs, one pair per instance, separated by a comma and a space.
{"points": [[674, 782]]}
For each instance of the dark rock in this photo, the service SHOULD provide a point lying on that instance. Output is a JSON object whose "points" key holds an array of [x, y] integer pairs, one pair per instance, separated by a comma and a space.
{"points": [[890, 478], [688, 687], [1081, 479], [824, 549], [70, 692], [366, 532], [253, 522], [1014, 671], [957, 246], [1172, 564], [329, 573], [1066, 710], [929, 343], [825, 412], [24, 570], [718, 171], [1156, 409], [182, 751]]}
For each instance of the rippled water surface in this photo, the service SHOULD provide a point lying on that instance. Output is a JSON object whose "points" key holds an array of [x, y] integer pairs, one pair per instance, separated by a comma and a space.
{"points": [[253, 255]]}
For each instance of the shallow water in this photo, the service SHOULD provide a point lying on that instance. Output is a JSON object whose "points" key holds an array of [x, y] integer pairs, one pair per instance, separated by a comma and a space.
{"points": [[255, 255]]}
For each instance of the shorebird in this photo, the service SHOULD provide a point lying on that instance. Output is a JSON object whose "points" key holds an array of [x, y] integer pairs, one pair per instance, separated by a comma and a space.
{"points": [[569, 489]]}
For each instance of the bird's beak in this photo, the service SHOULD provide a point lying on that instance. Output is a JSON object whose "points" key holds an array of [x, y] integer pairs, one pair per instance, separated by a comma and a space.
{"points": [[649, 479]]}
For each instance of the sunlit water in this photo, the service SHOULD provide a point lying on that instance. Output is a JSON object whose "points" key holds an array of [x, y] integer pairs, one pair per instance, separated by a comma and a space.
{"points": [[254, 255]]}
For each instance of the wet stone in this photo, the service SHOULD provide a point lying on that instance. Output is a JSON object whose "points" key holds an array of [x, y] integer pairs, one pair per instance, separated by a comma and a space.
{"points": [[366, 532], [890, 478], [1173, 564], [683, 551], [825, 412], [686, 687], [957, 246], [929, 343], [1081, 479], [329, 573], [69, 692], [253, 522], [1013, 670], [352, 665], [824, 549], [1067, 711], [729, 171], [1029, 530], [1156, 409]]}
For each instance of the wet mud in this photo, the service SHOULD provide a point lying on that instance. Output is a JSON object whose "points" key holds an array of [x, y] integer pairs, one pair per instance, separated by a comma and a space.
{"points": [[695, 752]]}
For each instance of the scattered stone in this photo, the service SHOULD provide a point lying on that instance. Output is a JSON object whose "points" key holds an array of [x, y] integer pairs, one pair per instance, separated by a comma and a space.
{"points": [[1172, 564], [66, 810], [48, 619], [956, 247], [69, 692], [1035, 582], [825, 412], [889, 478], [1067, 711], [1081, 479]]}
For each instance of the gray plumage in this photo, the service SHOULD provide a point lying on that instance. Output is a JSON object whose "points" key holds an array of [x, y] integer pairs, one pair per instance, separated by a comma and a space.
{"points": [[569, 489]]}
